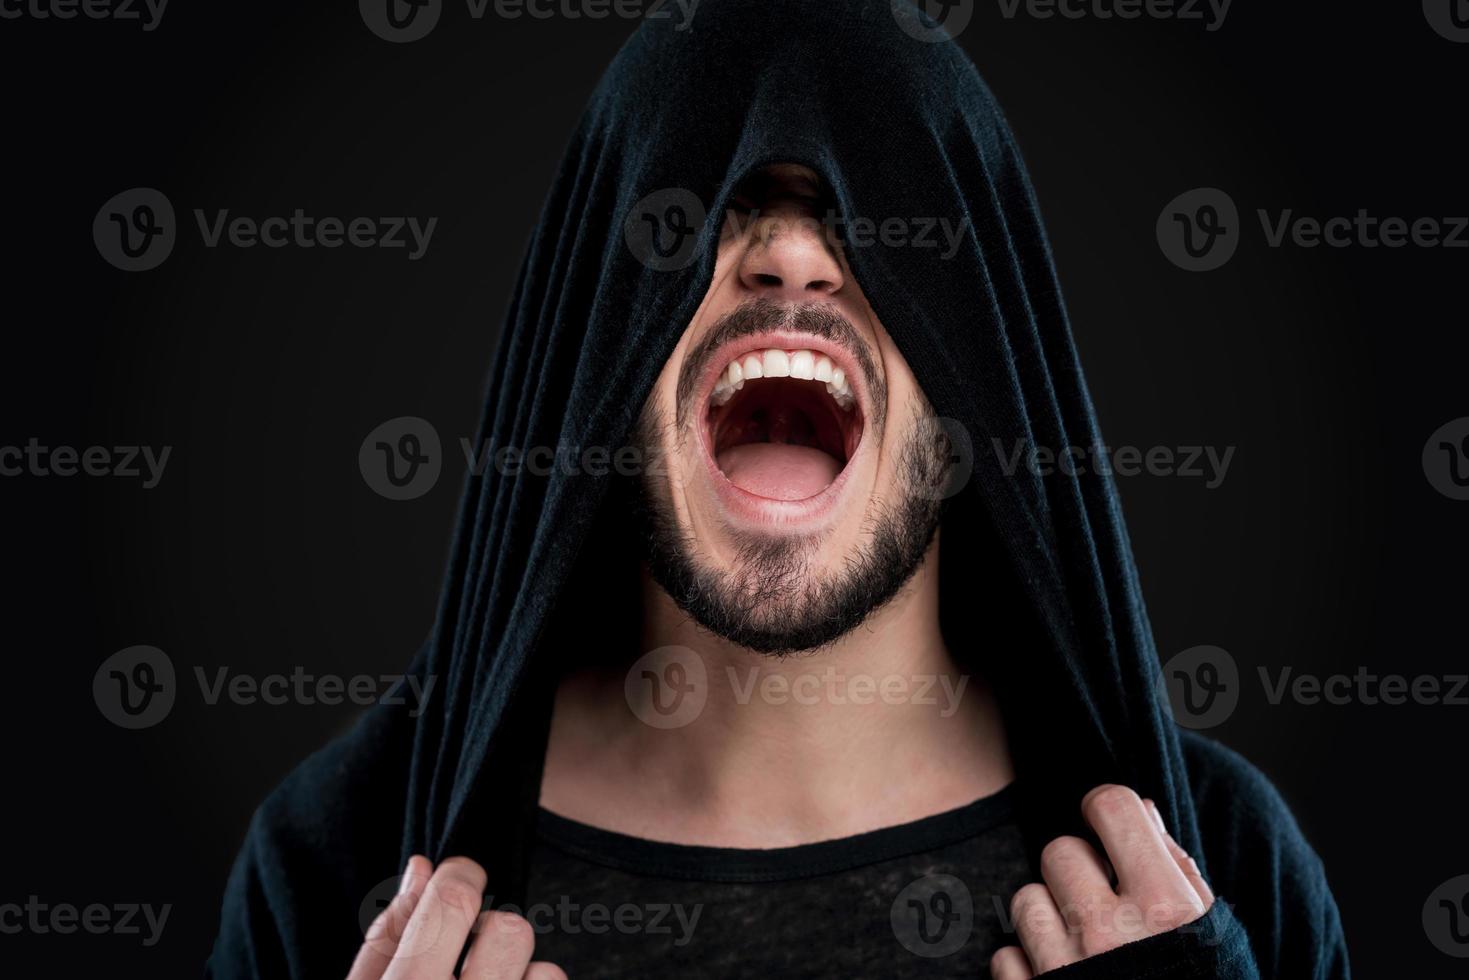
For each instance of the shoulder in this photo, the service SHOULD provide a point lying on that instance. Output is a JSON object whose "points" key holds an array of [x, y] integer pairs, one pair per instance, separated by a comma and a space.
{"points": [[1229, 791], [1260, 862], [318, 848]]}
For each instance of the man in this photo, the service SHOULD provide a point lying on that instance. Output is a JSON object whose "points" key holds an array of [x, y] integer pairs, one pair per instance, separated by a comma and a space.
{"points": [[877, 704]]}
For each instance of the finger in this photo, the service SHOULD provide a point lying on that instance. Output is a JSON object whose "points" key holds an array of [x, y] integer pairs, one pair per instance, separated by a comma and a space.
{"points": [[441, 923], [1010, 963], [1133, 842], [381, 940], [544, 971], [1186, 864], [501, 950], [1076, 876], [1048, 943]]}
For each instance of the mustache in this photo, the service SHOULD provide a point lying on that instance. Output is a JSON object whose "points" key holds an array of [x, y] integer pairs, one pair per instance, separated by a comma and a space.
{"points": [[758, 316]]}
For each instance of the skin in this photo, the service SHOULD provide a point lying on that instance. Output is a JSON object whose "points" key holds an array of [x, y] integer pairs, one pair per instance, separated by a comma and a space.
{"points": [[751, 771], [763, 772], [423, 930], [1076, 913]]}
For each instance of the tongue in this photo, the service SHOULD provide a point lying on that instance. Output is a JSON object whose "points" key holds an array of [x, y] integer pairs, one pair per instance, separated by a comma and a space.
{"points": [[779, 471]]}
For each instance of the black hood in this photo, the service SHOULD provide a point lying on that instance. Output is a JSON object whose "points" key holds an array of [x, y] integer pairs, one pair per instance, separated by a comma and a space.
{"points": [[1039, 588], [899, 128]]}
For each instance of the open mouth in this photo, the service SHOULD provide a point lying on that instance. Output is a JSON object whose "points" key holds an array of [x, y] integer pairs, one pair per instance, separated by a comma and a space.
{"points": [[782, 423]]}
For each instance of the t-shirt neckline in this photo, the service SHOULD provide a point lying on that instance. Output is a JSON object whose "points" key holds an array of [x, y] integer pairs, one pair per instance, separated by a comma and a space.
{"points": [[733, 864]]}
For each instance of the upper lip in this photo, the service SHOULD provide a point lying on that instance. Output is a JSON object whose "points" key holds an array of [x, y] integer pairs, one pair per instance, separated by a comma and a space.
{"points": [[784, 340]]}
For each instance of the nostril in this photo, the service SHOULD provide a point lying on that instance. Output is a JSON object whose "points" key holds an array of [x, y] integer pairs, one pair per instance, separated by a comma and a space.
{"points": [[822, 286], [765, 279]]}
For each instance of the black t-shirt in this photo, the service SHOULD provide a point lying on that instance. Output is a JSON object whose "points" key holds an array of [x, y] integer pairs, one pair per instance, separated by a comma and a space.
{"points": [[929, 898]]}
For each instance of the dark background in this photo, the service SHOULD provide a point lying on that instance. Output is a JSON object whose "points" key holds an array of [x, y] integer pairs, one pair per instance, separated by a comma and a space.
{"points": [[262, 549]]}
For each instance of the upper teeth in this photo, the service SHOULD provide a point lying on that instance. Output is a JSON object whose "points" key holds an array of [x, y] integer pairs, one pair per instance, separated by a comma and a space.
{"points": [[776, 363]]}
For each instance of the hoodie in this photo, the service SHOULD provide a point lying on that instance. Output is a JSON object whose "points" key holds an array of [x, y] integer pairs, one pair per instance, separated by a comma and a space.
{"points": [[894, 117]]}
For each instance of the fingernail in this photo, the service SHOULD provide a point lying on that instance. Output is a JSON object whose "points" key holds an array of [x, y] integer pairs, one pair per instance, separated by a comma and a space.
{"points": [[406, 880]]}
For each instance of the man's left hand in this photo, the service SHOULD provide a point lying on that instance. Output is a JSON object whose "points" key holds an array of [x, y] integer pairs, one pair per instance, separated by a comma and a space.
{"points": [[1078, 913]]}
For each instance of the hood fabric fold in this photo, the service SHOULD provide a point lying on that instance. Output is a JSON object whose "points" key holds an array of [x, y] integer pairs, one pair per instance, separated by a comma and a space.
{"points": [[1040, 592]]}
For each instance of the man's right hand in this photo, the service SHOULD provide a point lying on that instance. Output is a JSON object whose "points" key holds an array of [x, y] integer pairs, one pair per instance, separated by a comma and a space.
{"points": [[423, 930]]}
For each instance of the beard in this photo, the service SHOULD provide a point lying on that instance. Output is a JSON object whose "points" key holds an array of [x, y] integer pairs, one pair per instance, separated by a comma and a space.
{"points": [[776, 598]]}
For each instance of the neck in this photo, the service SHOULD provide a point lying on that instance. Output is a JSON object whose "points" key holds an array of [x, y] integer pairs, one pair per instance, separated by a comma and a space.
{"points": [[879, 728]]}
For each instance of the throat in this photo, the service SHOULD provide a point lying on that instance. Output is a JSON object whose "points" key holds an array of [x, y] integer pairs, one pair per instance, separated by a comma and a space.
{"points": [[777, 752], [782, 439]]}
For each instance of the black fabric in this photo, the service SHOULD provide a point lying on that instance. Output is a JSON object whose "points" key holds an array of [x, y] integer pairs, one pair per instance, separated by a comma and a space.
{"points": [[898, 128], [926, 899]]}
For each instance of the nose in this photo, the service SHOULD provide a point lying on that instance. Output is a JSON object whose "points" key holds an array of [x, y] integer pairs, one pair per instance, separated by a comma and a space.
{"points": [[788, 259]]}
